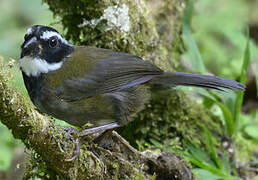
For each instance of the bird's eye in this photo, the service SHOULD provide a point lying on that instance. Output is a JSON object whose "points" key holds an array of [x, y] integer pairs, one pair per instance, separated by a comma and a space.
{"points": [[53, 42]]}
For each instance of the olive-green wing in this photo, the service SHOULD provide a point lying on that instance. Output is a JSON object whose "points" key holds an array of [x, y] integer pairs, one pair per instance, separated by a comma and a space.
{"points": [[106, 72]]}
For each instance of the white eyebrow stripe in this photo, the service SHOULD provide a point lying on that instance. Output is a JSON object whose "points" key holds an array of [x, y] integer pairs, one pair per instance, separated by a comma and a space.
{"points": [[48, 34], [34, 39], [29, 31]]}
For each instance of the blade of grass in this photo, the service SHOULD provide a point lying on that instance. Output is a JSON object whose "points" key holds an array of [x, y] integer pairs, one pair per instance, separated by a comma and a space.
{"points": [[227, 115], [256, 77], [209, 168], [192, 49], [156, 143], [199, 158], [197, 153], [240, 94], [228, 119], [204, 174], [211, 147]]}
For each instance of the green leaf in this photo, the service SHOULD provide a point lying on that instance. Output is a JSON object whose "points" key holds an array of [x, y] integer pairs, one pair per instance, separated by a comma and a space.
{"points": [[156, 143], [203, 174], [197, 153], [154, 176], [240, 94], [255, 178], [192, 49], [251, 130], [140, 145], [256, 77], [5, 158], [228, 118], [138, 176], [211, 147]]}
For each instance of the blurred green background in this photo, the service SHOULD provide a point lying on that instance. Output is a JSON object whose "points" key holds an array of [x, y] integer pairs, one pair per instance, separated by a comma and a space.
{"points": [[16, 16], [219, 29]]}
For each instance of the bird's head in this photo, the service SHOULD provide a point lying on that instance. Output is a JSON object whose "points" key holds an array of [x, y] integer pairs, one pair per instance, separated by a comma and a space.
{"points": [[43, 50]]}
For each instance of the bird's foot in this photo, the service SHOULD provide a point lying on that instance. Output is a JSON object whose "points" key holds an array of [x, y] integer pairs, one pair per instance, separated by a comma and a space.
{"points": [[107, 132], [76, 153], [69, 132]]}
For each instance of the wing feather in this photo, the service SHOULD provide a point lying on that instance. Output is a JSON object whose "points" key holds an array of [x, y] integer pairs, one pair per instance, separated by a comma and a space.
{"points": [[110, 72]]}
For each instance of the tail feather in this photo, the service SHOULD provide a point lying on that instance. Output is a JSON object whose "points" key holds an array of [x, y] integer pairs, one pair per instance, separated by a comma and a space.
{"points": [[189, 79]]}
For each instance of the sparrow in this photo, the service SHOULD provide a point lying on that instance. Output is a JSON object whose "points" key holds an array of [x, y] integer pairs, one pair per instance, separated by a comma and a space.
{"points": [[83, 84]]}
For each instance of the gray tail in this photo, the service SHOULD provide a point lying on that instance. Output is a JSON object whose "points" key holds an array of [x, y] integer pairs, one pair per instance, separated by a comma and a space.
{"points": [[189, 79]]}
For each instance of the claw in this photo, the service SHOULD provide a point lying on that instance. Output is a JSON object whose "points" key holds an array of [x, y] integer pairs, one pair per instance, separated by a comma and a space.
{"points": [[96, 154], [108, 130], [76, 152], [69, 131]]}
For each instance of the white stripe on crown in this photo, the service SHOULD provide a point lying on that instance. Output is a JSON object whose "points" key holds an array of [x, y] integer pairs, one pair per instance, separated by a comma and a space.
{"points": [[34, 39], [48, 34], [29, 31]]}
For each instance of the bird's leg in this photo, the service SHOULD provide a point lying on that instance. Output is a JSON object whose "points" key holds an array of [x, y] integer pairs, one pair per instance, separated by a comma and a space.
{"points": [[77, 150], [68, 129], [97, 129], [108, 129]]}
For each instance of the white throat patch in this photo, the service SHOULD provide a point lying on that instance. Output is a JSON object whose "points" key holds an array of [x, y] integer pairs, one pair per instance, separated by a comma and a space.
{"points": [[35, 66]]}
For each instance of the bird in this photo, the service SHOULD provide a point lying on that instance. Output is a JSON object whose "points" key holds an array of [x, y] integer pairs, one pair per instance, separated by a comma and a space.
{"points": [[88, 85]]}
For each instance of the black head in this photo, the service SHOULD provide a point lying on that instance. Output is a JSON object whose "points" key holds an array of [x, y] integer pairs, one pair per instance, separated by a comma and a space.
{"points": [[45, 43], [42, 50]]}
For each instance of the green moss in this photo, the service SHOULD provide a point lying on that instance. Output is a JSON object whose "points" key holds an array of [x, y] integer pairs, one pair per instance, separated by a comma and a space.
{"points": [[172, 119], [244, 148]]}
